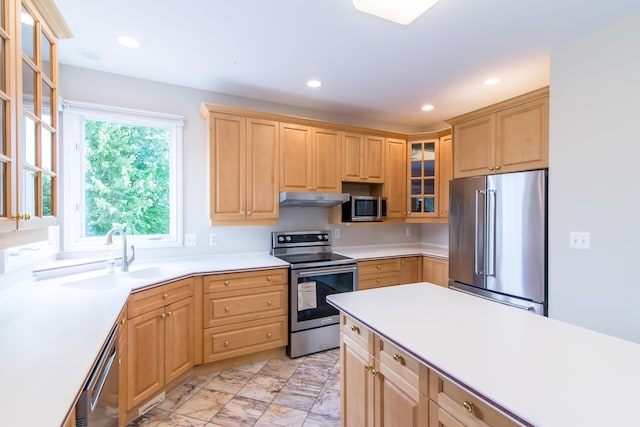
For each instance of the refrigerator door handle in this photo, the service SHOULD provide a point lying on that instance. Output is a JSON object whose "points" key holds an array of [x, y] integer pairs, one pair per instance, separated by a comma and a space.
{"points": [[491, 233], [478, 245]]}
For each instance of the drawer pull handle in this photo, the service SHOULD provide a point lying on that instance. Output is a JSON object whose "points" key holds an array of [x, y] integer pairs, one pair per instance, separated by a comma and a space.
{"points": [[269, 334], [226, 343], [269, 302], [468, 406], [397, 358], [227, 309], [378, 266], [378, 280], [226, 283], [165, 296], [355, 329], [268, 278]]}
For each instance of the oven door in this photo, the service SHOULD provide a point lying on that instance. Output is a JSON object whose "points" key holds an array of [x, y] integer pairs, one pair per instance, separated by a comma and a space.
{"points": [[309, 288]]}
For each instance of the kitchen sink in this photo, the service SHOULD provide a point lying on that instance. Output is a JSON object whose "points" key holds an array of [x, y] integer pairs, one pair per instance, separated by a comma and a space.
{"points": [[99, 283], [150, 273]]}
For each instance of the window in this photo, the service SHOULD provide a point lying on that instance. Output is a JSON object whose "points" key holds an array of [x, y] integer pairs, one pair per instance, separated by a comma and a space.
{"points": [[122, 169]]}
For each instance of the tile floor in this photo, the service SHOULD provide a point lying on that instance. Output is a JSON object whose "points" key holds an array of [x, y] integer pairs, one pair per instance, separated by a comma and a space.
{"points": [[278, 392]]}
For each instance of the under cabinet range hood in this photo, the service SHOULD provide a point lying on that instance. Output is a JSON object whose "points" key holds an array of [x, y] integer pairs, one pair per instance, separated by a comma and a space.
{"points": [[316, 200]]}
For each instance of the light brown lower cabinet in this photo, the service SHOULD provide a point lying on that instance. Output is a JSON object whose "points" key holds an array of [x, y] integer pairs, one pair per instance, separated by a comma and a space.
{"points": [[160, 339], [435, 270], [244, 313], [381, 272], [382, 385]]}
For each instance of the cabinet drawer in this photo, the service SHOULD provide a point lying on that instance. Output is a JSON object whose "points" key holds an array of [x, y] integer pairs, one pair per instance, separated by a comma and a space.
{"points": [[224, 342], [378, 266], [399, 362], [378, 281], [247, 280], [150, 299], [355, 330], [466, 407], [223, 308]]}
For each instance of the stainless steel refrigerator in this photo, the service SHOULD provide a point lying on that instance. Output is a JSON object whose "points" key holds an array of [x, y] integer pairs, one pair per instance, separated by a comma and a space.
{"points": [[498, 238]]}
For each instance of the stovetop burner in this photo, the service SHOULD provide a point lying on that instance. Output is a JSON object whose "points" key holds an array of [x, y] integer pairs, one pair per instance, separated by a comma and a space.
{"points": [[304, 249]]}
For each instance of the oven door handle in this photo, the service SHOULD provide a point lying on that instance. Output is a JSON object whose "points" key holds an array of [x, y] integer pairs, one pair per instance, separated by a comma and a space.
{"points": [[315, 272]]}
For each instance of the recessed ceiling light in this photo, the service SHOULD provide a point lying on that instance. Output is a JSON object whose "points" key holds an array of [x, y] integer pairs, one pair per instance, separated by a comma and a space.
{"points": [[399, 11], [130, 42], [427, 107], [492, 81], [314, 83]]}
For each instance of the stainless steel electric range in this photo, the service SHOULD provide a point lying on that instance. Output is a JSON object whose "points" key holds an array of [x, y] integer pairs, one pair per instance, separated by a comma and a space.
{"points": [[314, 272]]}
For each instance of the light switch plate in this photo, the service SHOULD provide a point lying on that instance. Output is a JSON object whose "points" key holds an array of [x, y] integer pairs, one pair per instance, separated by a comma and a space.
{"points": [[190, 239], [580, 240]]}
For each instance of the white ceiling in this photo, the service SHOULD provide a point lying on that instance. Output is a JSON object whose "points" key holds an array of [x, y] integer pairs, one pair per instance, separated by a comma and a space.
{"points": [[268, 49]]}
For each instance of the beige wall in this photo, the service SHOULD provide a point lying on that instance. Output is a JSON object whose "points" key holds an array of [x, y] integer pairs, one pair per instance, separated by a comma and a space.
{"points": [[594, 180]]}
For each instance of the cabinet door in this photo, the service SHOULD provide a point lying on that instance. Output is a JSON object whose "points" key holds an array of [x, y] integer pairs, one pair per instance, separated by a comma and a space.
{"points": [[435, 270], [445, 169], [373, 165], [357, 406], [422, 179], [227, 164], [263, 161], [410, 270], [522, 136], [145, 367], [395, 181], [326, 161], [396, 407], [352, 157], [295, 157], [179, 338], [474, 150]]}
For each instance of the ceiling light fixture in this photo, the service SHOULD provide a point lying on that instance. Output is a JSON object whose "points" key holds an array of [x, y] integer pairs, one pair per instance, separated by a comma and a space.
{"points": [[399, 11], [314, 83], [427, 107], [492, 81], [129, 42]]}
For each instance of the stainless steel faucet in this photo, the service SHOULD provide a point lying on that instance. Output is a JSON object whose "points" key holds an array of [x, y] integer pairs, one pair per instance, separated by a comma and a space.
{"points": [[125, 260]]}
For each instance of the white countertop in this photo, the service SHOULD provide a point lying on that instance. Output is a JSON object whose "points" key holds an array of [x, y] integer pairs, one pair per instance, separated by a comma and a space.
{"points": [[52, 330], [392, 250], [547, 372]]}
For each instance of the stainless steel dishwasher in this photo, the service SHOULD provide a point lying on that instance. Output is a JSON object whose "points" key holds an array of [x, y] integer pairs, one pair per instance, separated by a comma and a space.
{"points": [[98, 402]]}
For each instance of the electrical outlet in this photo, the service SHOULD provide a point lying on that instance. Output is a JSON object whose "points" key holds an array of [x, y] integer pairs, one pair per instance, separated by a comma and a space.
{"points": [[579, 240], [213, 239], [407, 231], [336, 233], [190, 239]]}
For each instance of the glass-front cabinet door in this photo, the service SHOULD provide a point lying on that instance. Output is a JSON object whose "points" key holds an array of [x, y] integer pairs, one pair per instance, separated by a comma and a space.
{"points": [[422, 178], [28, 119]]}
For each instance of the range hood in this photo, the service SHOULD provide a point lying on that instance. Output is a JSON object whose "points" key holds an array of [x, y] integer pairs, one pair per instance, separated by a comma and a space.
{"points": [[316, 200]]}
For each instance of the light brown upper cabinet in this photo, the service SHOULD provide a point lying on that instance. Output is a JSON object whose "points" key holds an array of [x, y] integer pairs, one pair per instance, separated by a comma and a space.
{"points": [[363, 158], [243, 169], [395, 181], [28, 113], [310, 159], [428, 176], [506, 137]]}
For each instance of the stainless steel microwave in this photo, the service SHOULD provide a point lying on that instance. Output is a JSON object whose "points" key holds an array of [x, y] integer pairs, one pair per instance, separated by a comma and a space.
{"points": [[364, 209]]}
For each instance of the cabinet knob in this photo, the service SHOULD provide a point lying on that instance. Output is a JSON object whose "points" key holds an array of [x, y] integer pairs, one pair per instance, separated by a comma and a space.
{"points": [[226, 343], [309, 188], [21, 217], [249, 213], [468, 406], [120, 361], [497, 167], [165, 296], [268, 334], [355, 329], [373, 372], [397, 358], [378, 266], [227, 309], [368, 367], [162, 316], [490, 168], [226, 283], [123, 321], [169, 313], [378, 280], [268, 278], [402, 262], [269, 302]]}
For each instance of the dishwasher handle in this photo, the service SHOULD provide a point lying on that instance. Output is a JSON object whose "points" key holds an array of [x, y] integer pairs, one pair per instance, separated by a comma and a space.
{"points": [[98, 377]]}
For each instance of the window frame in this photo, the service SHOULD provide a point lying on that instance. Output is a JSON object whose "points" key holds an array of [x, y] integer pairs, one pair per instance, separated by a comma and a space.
{"points": [[74, 114]]}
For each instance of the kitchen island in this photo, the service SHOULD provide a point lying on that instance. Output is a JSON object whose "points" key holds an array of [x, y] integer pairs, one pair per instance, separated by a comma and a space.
{"points": [[534, 370]]}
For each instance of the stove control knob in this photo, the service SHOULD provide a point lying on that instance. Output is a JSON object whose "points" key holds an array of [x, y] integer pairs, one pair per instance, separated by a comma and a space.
{"points": [[325, 236], [288, 238], [280, 239], [319, 236]]}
